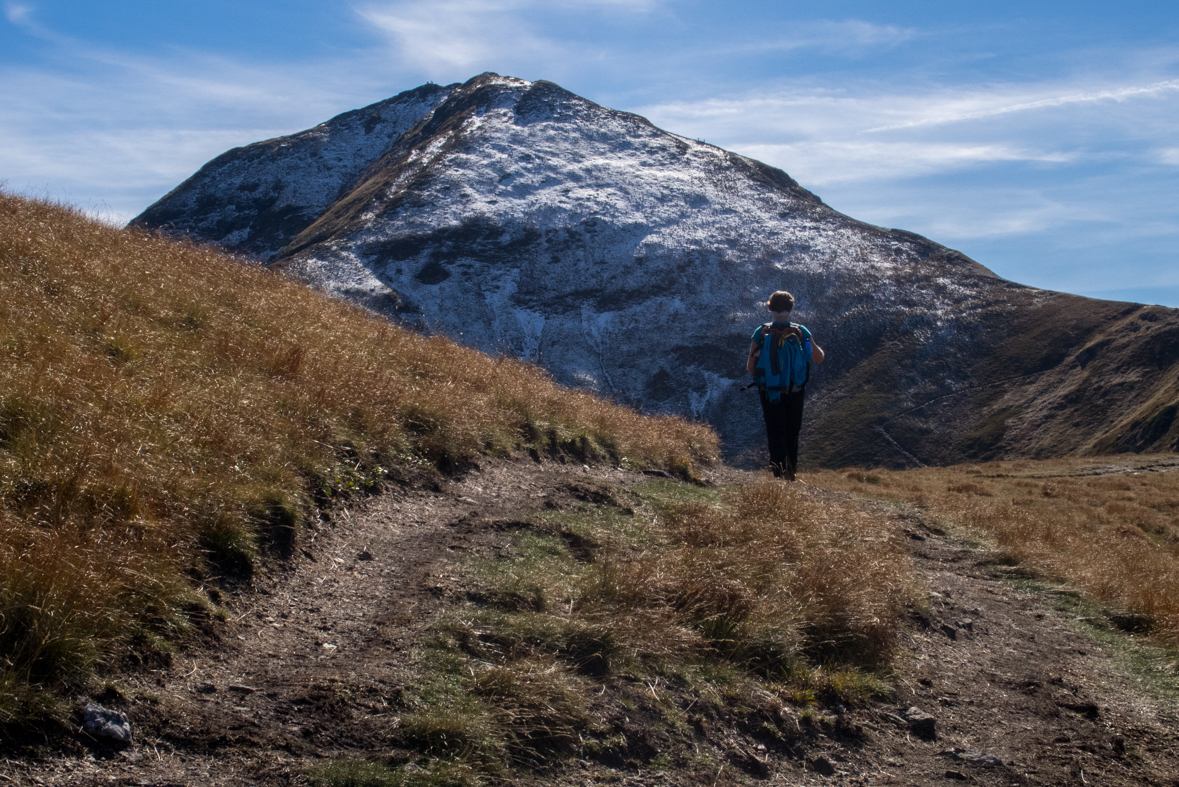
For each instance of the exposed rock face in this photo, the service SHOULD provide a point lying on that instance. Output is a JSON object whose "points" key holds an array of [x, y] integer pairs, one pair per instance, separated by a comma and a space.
{"points": [[522, 219]]}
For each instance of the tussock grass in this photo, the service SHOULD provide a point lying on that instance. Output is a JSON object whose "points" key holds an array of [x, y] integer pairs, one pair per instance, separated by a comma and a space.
{"points": [[761, 578], [167, 412], [1109, 526], [775, 572], [736, 602]]}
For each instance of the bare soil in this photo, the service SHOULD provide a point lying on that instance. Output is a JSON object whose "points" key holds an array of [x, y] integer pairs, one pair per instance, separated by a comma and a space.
{"points": [[316, 654]]}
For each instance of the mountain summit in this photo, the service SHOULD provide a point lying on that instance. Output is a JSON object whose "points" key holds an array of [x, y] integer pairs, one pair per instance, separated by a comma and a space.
{"points": [[525, 220]]}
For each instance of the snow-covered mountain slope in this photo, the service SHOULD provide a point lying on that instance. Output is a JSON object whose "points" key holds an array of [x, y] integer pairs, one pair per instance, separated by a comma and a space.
{"points": [[528, 221]]}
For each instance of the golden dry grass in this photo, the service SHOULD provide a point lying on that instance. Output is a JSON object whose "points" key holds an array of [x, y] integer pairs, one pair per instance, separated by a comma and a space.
{"points": [[764, 577], [1109, 526], [769, 576], [163, 405]]}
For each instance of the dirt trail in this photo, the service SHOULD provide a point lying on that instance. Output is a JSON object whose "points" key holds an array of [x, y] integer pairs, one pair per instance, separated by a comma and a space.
{"points": [[313, 657], [1019, 695], [313, 662]]}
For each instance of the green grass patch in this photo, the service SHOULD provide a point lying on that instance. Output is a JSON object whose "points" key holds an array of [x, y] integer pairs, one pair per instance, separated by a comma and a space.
{"points": [[664, 494], [1149, 665]]}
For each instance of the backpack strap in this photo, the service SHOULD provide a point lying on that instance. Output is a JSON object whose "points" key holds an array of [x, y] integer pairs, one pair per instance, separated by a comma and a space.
{"points": [[775, 339]]}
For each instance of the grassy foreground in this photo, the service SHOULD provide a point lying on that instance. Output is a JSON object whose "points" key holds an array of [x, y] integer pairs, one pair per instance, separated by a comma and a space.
{"points": [[167, 413], [1107, 525]]}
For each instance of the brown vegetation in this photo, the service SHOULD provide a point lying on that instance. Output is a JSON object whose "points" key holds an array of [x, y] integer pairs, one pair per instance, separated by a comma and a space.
{"points": [[1108, 526], [166, 412]]}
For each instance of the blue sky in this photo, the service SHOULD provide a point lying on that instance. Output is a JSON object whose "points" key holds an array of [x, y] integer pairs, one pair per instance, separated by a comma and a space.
{"points": [[1040, 138]]}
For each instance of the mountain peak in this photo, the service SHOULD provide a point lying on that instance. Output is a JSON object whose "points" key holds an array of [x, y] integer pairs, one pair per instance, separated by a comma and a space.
{"points": [[527, 220]]}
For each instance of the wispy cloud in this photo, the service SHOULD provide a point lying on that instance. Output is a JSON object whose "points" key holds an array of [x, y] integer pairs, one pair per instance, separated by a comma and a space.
{"points": [[844, 36], [819, 162], [18, 13], [989, 214], [958, 112], [104, 126], [450, 35], [1169, 156], [834, 135], [444, 37]]}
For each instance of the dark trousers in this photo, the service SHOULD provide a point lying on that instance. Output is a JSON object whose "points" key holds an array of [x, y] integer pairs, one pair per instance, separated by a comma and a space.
{"points": [[783, 423]]}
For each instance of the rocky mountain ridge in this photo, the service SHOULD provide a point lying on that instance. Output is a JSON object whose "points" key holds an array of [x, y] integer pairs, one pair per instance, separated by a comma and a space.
{"points": [[528, 221]]}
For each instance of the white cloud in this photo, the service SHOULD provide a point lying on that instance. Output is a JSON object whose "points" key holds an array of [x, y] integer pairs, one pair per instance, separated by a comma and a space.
{"points": [[834, 36], [106, 128], [456, 35], [454, 39], [17, 13], [976, 107], [860, 132], [818, 162], [1169, 156], [444, 38], [1014, 212]]}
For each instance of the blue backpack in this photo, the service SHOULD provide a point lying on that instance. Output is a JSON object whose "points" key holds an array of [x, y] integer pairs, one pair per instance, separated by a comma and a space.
{"points": [[784, 361]]}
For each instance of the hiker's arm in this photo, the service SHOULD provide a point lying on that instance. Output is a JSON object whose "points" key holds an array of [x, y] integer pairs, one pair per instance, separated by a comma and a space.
{"points": [[817, 354], [751, 362]]}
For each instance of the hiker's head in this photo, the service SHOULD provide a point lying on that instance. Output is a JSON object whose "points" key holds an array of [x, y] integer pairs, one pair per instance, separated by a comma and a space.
{"points": [[780, 301]]}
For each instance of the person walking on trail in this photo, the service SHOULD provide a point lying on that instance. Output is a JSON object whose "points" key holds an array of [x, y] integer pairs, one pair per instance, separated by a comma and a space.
{"points": [[780, 356]]}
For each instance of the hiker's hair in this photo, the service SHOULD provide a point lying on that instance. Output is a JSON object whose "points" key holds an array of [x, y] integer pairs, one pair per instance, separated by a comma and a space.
{"points": [[781, 301]]}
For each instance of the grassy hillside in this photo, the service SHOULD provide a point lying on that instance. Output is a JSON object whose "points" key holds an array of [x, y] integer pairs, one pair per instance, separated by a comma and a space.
{"points": [[167, 414], [1026, 374], [1109, 527]]}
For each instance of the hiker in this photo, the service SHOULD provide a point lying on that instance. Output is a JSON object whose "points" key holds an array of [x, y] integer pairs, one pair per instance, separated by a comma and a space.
{"points": [[780, 355]]}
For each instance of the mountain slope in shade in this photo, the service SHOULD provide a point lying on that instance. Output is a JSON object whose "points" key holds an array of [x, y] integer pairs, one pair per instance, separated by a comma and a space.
{"points": [[526, 220]]}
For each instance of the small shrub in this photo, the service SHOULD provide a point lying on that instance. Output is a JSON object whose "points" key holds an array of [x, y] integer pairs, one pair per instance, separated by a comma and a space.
{"points": [[969, 488]]}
